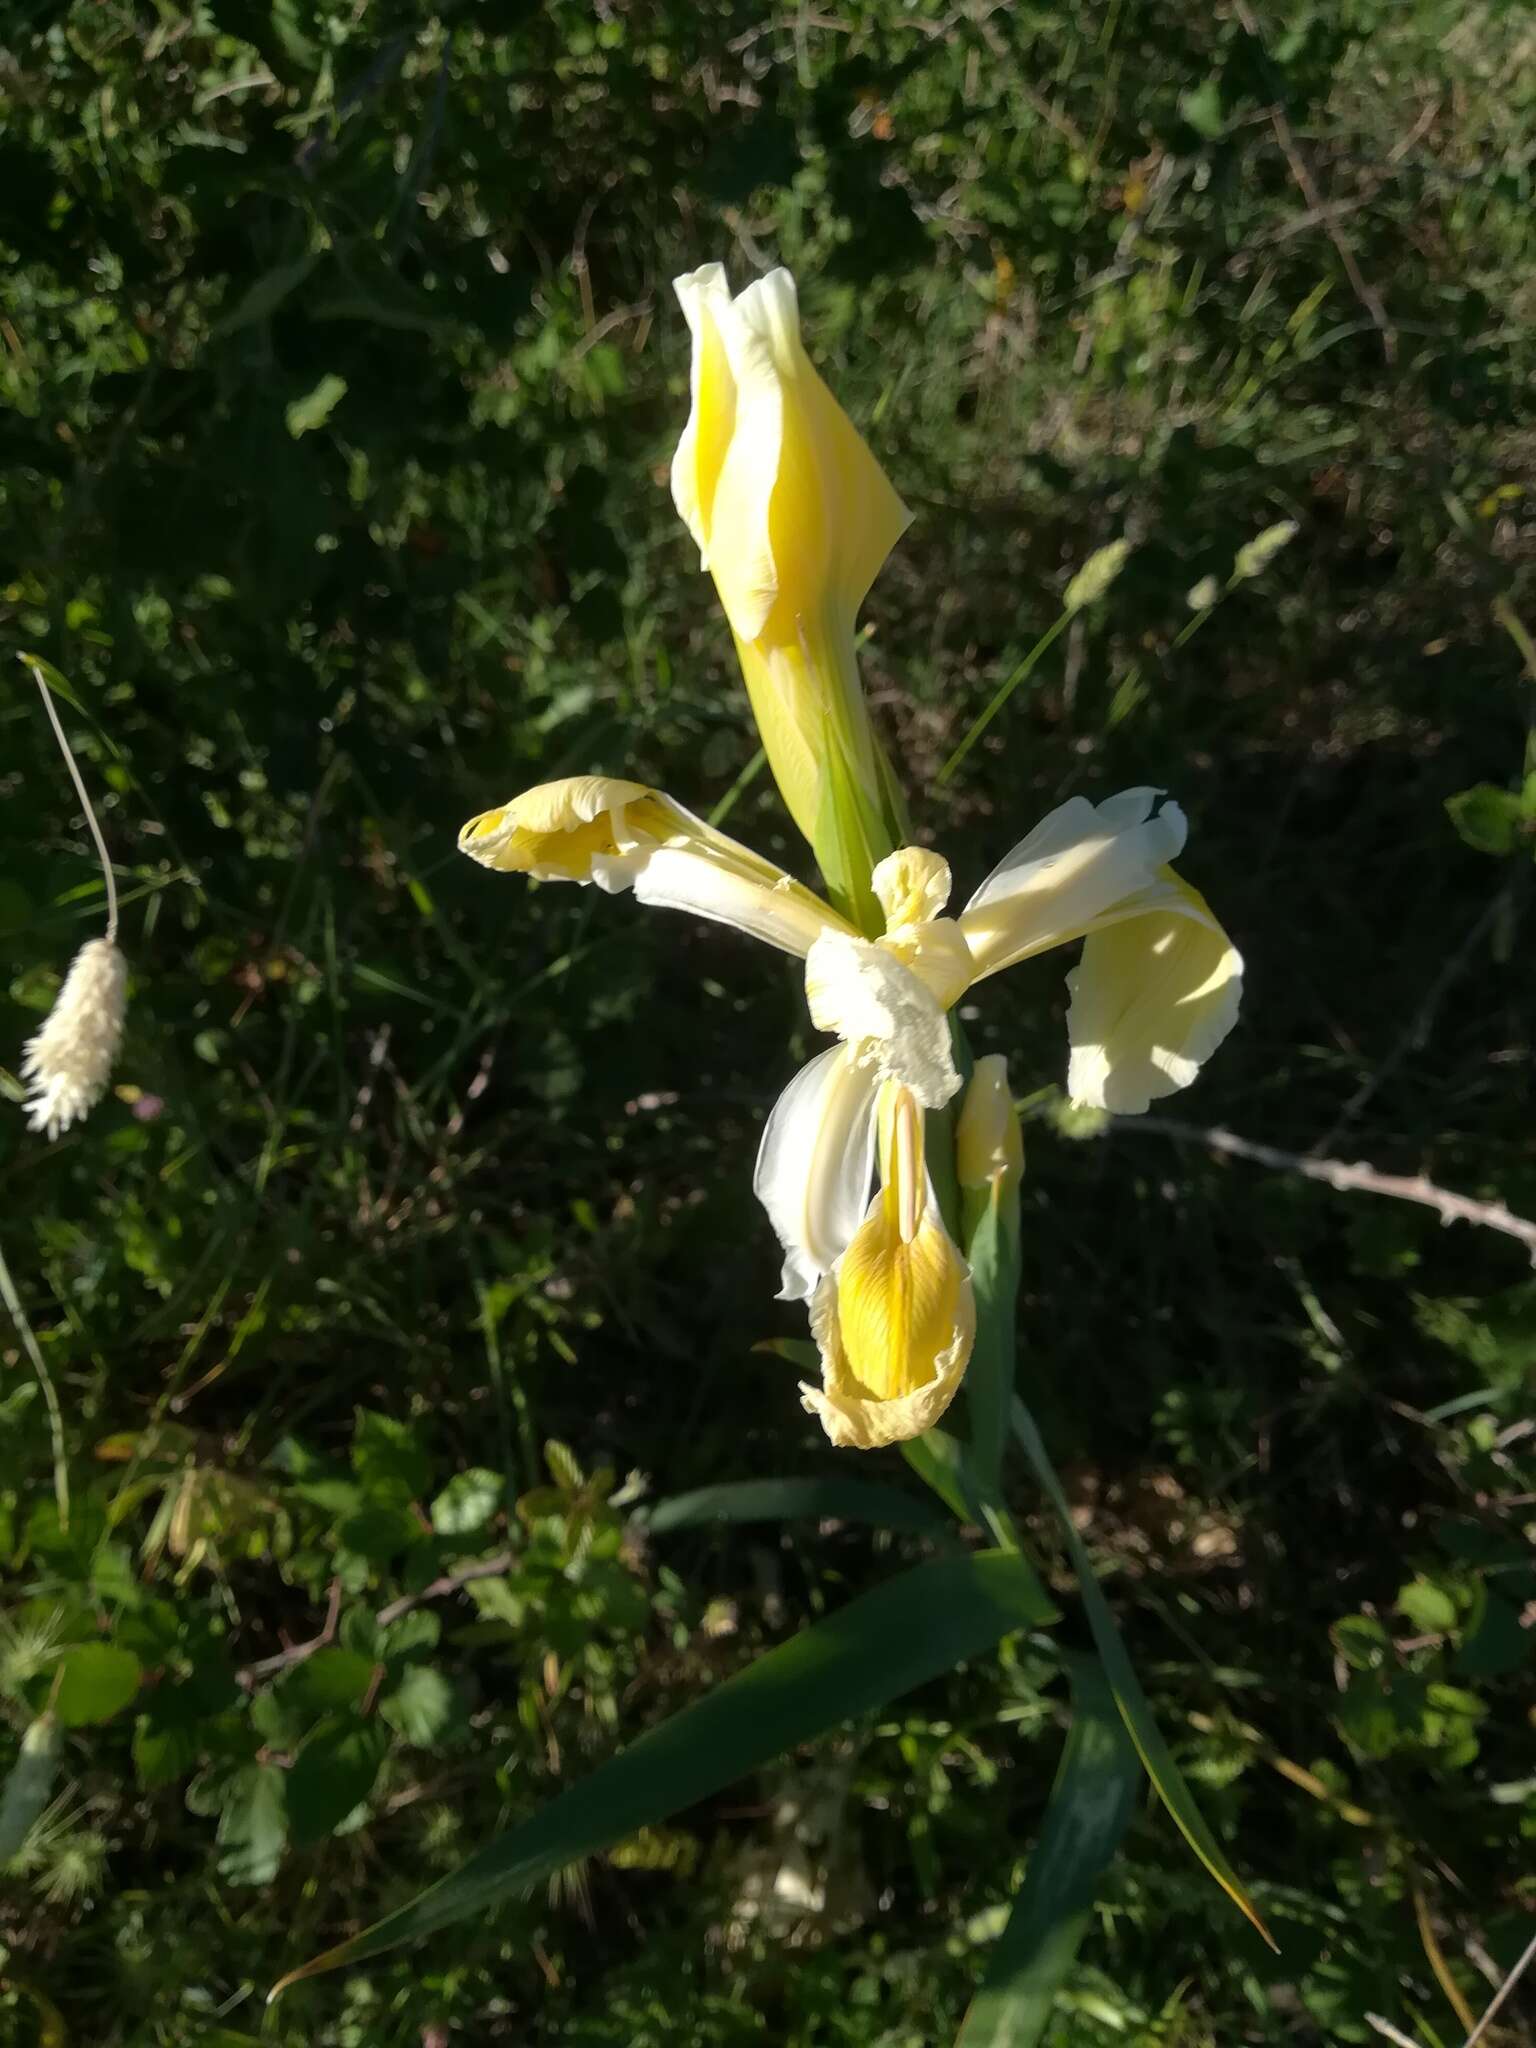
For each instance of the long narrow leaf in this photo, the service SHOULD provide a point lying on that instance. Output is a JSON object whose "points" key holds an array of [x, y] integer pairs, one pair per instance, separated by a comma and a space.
{"points": [[877, 1647], [1091, 1803], [1129, 1697], [992, 1249], [782, 1500]]}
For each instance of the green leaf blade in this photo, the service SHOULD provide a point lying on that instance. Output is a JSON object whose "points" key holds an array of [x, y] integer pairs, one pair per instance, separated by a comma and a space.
{"points": [[784, 1500], [877, 1647], [1155, 1755], [1090, 1807]]}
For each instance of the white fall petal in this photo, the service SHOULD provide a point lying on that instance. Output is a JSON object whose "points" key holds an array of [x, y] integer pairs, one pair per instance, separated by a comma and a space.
{"points": [[814, 1165]]}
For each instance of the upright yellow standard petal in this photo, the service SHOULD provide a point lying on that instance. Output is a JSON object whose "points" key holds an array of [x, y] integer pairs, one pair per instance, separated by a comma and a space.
{"points": [[793, 517], [1152, 998], [896, 1319]]}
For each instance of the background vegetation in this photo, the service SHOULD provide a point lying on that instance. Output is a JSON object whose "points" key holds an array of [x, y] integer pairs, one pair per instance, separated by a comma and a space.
{"points": [[341, 376]]}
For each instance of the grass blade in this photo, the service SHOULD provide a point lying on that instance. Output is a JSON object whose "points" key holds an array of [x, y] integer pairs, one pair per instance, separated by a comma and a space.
{"points": [[1129, 1697], [783, 1500], [1091, 1803], [877, 1647]]}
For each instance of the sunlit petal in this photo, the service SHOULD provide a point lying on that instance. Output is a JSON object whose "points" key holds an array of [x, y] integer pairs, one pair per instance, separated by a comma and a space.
{"points": [[1153, 996], [884, 1011], [701, 450], [815, 1163], [912, 886], [896, 1319], [1074, 865]]}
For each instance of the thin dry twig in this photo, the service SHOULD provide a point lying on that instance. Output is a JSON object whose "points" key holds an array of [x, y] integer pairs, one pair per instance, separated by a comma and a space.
{"points": [[1502, 1993], [450, 1582], [1390, 2033], [1347, 1177], [296, 1653]]}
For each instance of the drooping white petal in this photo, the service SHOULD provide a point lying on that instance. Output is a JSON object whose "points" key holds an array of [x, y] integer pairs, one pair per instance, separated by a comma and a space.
{"points": [[1154, 995], [814, 1165], [885, 1012], [1074, 865], [777, 910]]}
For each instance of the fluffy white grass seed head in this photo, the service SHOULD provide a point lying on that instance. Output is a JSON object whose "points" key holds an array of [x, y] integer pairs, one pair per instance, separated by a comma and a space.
{"points": [[67, 1064]]}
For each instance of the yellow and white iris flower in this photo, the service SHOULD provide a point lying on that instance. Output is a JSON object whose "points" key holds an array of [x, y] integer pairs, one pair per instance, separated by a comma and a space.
{"points": [[793, 517], [1154, 992]]}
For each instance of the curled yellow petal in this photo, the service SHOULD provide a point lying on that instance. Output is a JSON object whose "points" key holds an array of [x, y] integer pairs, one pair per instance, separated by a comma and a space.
{"points": [[623, 835], [896, 1319], [1152, 998], [560, 831]]}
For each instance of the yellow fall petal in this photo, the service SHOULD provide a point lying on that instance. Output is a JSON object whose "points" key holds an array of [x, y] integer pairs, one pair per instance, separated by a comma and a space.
{"points": [[896, 1320]]}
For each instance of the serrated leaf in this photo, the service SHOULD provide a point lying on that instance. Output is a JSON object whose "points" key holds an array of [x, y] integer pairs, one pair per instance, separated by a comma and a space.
{"points": [[877, 1647], [467, 1502], [388, 1458], [421, 1705], [330, 1679], [253, 1825], [332, 1773], [96, 1681]]}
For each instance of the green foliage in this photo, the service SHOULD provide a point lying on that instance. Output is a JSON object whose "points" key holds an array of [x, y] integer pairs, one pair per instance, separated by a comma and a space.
{"points": [[338, 376]]}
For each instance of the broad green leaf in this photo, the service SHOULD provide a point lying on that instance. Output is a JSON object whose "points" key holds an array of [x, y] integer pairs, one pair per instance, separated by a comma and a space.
{"points": [[782, 1500], [253, 1825], [879, 1646], [421, 1705], [315, 407], [333, 1772], [1486, 818], [1129, 1697], [330, 1679], [1428, 1606], [467, 1502], [96, 1681], [388, 1458], [938, 1460], [1091, 1804]]}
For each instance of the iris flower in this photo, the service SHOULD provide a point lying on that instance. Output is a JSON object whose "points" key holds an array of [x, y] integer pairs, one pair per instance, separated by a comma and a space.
{"points": [[841, 1170]]}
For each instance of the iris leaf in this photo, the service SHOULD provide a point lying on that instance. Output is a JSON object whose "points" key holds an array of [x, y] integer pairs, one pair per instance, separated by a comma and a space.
{"points": [[1090, 1806], [877, 1647], [783, 1500], [1131, 1700]]}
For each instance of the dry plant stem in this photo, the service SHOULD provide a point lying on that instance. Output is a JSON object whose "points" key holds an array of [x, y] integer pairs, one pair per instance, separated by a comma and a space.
{"points": [[1390, 2033], [73, 766], [34, 1351], [251, 1675], [1347, 1178], [1502, 1993], [450, 1582]]}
